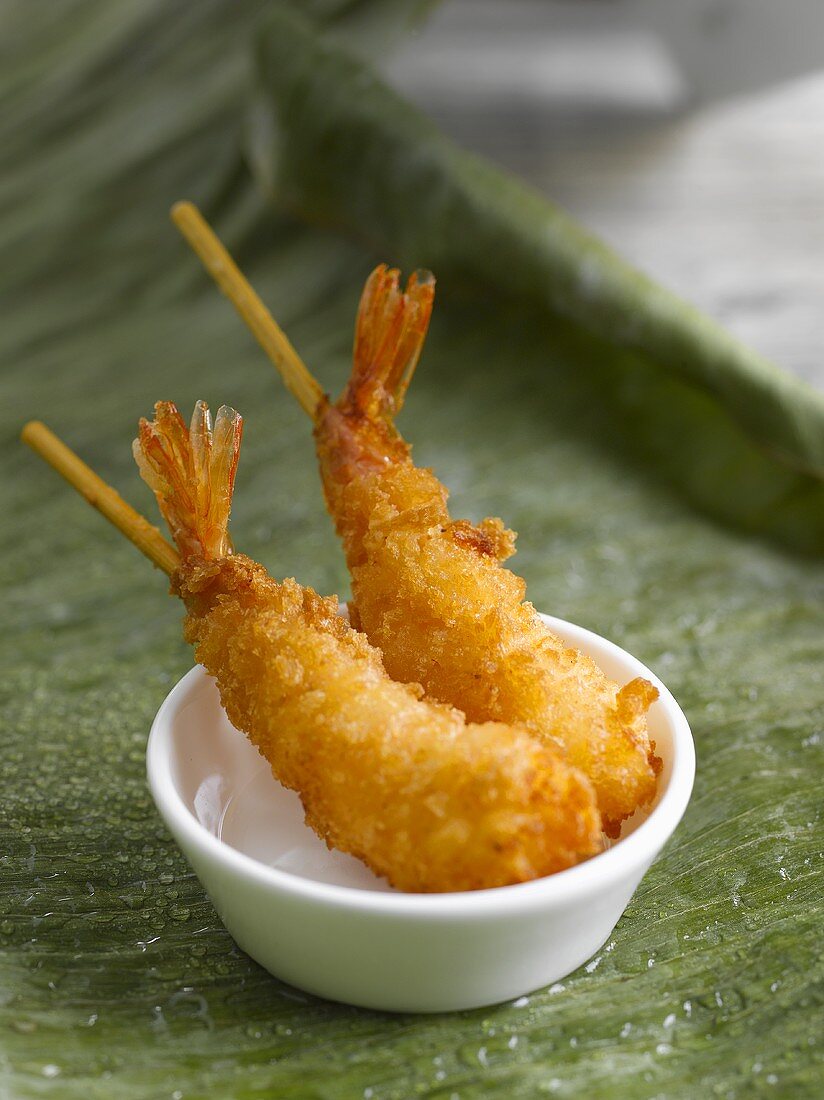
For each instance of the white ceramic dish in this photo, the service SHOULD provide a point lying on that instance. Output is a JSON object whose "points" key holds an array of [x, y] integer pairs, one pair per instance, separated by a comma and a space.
{"points": [[321, 921]]}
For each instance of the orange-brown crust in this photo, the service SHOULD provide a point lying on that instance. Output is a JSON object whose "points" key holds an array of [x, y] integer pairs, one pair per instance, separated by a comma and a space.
{"points": [[431, 594], [489, 538], [424, 798]]}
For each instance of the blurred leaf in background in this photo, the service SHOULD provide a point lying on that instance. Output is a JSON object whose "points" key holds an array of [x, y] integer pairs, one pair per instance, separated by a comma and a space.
{"points": [[341, 149]]}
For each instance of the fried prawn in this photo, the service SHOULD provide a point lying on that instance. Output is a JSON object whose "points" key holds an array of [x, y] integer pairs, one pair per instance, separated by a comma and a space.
{"points": [[423, 797], [432, 593]]}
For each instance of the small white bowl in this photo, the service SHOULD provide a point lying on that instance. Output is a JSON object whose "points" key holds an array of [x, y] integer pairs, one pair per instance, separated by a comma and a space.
{"points": [[322, 921]]}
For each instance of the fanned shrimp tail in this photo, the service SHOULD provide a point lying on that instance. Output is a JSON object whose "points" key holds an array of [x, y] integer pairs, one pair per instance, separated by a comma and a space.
{"points": [[191, 472], [389, 336]]}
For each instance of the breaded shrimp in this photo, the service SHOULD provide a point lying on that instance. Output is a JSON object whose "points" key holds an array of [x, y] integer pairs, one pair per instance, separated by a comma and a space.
{"points": [[431, 592], [422, 797]]}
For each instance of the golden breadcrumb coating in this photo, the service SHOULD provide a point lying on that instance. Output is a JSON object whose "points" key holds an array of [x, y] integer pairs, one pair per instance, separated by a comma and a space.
{"points": [[425, 799], [431, 592]]}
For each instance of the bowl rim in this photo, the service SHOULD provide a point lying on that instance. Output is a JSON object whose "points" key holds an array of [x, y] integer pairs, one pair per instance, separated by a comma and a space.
{"points": [[617, 862]]}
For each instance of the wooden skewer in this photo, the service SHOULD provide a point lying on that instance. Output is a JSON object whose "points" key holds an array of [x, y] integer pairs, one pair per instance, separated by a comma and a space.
{"points": [[101, 496], [238, 290]]}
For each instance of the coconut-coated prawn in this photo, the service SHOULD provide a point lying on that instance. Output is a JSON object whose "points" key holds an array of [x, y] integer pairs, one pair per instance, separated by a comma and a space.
{"points": [[432, 592], [423, 797]]}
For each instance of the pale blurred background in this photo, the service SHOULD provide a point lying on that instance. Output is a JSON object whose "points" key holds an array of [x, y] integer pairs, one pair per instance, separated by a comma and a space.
{"points": [[688, 133]]}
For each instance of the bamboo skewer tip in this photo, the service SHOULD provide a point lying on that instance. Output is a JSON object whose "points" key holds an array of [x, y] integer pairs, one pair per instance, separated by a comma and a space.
{"points": [[186, 213], [183, 208], [32, 430], [102, 496], [218, 262]]}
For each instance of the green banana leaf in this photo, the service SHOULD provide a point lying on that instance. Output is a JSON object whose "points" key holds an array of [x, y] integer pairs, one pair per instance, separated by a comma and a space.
{"points": [[116, 978], [337, 146]]}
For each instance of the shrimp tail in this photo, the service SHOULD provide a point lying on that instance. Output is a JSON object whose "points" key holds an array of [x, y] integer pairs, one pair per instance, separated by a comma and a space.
{"points": [[389, 337], [191, 472]]}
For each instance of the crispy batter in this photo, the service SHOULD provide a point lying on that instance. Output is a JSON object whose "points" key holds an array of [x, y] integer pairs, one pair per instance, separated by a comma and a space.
{"points": [[431, 593], [425, 799]]}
